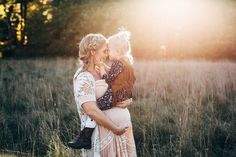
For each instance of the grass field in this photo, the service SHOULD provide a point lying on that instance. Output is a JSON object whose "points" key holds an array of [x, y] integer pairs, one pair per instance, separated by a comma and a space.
{"points": [[180, 108]]}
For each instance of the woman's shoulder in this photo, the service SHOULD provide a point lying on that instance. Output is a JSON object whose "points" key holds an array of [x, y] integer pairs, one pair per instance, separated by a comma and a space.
{"points": [[83, 75]]}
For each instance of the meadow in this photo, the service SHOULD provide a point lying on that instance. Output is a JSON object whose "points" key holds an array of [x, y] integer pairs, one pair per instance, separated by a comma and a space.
{"points": [[181, 108]]}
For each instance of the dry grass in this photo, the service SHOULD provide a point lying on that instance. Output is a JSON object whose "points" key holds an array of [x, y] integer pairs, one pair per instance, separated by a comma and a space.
{"points": [[180, 108]]}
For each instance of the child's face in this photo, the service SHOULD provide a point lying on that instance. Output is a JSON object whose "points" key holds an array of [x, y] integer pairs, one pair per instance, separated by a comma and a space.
{"points": [[113, 52]]}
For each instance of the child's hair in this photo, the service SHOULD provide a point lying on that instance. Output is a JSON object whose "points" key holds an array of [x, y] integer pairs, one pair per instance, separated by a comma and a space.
{"points": [[90, 42], [121, 41]]}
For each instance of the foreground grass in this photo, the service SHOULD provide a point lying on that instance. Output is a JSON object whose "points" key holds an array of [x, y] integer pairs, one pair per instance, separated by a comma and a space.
{"points": [[180, 108]]}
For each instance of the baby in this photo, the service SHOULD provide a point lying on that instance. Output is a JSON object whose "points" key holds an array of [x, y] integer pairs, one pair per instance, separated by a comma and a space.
{"points": [[120, 79]]}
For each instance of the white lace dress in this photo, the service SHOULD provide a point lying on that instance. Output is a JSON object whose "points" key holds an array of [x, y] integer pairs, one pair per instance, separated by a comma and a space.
{"points": [[84, 91], [104, 142]]}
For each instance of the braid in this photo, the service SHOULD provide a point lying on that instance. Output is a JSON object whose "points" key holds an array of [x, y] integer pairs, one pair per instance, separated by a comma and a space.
{"points": [[89, 43]]}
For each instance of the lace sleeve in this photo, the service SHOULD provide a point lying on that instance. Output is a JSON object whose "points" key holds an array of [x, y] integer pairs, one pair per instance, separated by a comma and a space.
{"points": [[116, 68], [84, 88]]}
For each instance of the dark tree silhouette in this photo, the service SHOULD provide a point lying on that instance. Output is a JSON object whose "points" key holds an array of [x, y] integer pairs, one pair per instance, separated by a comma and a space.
{"points": [[12, 28]]}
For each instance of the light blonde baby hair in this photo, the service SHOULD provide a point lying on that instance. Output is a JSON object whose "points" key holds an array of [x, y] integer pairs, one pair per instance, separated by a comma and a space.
{"points": [[89, 43], [121, 41]]}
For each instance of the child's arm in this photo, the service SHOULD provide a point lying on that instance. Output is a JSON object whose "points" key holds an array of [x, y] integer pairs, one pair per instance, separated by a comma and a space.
{"points": [[116, 68], [105, 101], [102, 68], [125, 103]]}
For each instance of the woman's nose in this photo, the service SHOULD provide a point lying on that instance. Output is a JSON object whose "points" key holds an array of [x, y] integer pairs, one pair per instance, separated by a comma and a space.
{"points": [[105, 57], [106, 54]]}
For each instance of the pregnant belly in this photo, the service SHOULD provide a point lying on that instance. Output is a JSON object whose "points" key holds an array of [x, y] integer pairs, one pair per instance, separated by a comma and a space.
{"points": [[119, 116]]}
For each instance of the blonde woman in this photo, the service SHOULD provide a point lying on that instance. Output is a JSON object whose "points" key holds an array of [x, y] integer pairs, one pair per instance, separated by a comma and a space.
{"points": [[107, 140], [93, 48]]}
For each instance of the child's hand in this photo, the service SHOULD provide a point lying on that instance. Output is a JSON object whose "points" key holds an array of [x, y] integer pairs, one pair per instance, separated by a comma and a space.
{"points": [[97, 69], [99, 64], [101, 68], [124, 104]]}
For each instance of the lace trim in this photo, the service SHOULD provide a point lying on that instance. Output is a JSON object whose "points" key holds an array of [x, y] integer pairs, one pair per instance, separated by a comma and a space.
{"points": [[85, 89], [100, 145], [84, 84]]}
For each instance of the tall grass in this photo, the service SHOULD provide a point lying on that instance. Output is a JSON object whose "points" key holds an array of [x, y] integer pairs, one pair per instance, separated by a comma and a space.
{"points": [[180, 108]]}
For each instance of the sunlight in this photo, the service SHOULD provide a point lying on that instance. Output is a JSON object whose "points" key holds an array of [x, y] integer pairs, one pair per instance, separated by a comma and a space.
{"points": [[180, 13], [176, 10], [173, 23], [177, 13], [47, 13], [32, 7], [45, 1], [2, 12]]}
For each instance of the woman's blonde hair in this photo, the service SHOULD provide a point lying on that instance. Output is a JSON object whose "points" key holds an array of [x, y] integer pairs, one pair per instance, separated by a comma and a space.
{"points": [[89, 43], [121, 41]]}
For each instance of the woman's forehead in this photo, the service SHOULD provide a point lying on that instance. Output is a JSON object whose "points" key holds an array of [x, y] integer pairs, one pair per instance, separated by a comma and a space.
{"points": [[104, 47]]}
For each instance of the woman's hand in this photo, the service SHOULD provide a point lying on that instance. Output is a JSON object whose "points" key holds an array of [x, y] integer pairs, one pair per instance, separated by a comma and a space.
{"points": [[120, 130], [96, 114]]}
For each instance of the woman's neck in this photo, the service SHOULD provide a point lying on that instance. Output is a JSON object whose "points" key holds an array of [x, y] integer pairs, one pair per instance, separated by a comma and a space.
{"points": [[92, 70]]}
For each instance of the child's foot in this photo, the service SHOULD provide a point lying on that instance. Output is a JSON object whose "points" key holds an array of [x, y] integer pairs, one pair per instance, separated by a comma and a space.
{"points": [[83, 140]]}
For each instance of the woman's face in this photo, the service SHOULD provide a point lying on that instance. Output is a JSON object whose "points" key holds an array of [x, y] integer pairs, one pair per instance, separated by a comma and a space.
{"points": [[101, 54]]}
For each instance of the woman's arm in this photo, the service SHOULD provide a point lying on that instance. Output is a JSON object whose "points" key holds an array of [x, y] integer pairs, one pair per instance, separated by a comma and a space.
{"points": [[96, 114], [105, 101]]}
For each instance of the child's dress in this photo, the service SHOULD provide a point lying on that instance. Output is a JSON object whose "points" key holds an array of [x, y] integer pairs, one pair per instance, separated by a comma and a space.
{"points": [[121, 79]]}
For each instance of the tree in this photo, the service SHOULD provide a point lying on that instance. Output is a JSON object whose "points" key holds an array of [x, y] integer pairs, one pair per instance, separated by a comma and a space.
{"points": [[12, 28]]}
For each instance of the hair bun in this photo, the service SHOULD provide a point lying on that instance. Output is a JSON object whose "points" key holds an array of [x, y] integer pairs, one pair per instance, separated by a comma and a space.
{"points": [[124, 35]]}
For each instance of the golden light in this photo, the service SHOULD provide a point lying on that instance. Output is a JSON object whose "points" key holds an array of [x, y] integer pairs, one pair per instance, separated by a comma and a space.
{"points": [[17, 7], [49, 16], [174, 24], [46, 1], [2, 12], [2, 43], [176, 12], [47, 13], [32, 7], [19, 36], [25, 40]]}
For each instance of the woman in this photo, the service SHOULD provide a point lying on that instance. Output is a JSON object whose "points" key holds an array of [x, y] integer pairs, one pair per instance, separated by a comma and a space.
{"points": [[93, 49]]}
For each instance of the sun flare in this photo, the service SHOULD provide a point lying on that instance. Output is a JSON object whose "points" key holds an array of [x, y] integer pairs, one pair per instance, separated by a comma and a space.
{"points": [[176, 24]]}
